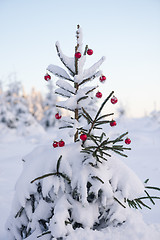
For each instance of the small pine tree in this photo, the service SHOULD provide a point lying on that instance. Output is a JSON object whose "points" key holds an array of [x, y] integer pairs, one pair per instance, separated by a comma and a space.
{"points": [[79, 183]]}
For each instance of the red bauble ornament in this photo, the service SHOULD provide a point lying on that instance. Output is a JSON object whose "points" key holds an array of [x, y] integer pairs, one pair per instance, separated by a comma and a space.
{"points": [[113, 123], [78, 55], [55, 144], [89, 51], [114, 100], [102, 78], [98, 94], [61, 143], [47, 77], [57, 116], [127, 140], [83, 137]]}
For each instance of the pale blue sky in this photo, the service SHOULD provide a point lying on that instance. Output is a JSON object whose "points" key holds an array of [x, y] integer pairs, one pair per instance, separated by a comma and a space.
{"points": [[127, 32]]}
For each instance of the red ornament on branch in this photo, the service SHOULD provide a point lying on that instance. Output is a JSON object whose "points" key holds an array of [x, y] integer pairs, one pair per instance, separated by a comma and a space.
{"points": [[127, 140], [83, 137], [57, 116], [98, 94], [114, 100], [113, 123], [61, 143], [89, 51], [47, 77], [55, 144], [77, 55], [102, 78]]}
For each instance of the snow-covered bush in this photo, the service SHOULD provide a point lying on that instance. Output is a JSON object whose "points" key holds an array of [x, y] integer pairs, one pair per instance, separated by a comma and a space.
{"points": [[79, 183]]}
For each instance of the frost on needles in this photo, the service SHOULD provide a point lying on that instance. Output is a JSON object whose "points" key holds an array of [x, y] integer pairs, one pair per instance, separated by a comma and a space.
{"points": [[82, 183]]}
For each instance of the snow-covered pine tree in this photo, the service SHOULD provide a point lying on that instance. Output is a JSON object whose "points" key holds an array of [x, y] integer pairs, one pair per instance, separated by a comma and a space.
{"points": [[36, 104], [9, 101], [14, 109], [49, 106], [79, 183]]}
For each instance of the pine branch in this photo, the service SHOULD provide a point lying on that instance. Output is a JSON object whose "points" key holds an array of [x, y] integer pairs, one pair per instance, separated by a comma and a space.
{"points": [[86, 115], [99, 179], [82, 98], [90, 78], [72, 110], [100, 123], [142, 203], [61, 94], [146, 181], [101, 137], [60, 86], [138, 205], [76, 49], [107, 154], [122, 154], [58, 163], [102, 157], [44, 176], [76, 85], [149, 197], [99, 111], [32, 202], [52, 174], [155, 188], [119, 202], [85, 51], [105, 115], [91, 90], [60, 76], [103, 104], [62, 60], [66, 127], [19, 213], [48, 232], [153, 197], [120, 137]]}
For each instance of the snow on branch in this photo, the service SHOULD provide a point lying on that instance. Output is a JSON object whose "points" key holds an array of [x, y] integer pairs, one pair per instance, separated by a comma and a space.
{"points": [[91, 71], [85, 91], [66, 86], [67, 61], [69, 104], [97, 74], [58, 71], [62, 92]]}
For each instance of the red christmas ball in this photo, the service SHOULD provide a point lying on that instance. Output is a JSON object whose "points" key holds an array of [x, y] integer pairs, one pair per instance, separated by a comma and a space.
{"points": [[127, 140], [113, 123], [83, 137], [61, 143], [89, 51], [98, 94], [55, 144], [78, 55], [47, 77], [102, 78], [114, 100], [57, 116]]}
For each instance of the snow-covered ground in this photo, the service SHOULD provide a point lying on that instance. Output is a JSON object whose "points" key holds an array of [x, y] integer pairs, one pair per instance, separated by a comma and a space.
{"points": [[144, 159]]}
